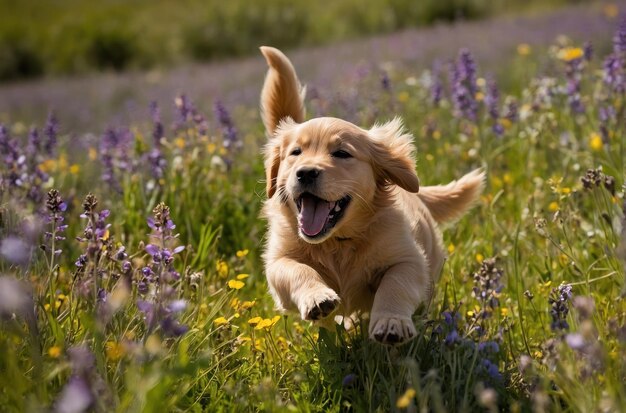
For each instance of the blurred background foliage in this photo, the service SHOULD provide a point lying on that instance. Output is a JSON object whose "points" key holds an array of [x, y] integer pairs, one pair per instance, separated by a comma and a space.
{"points": [[75, 36]]}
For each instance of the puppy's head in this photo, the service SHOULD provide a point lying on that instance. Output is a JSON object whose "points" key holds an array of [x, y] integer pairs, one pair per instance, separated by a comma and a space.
{"points": [[329, 172]]}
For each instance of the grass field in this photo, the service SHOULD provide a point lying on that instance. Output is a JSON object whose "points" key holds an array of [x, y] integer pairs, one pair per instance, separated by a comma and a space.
{"points": [[132, 280]]}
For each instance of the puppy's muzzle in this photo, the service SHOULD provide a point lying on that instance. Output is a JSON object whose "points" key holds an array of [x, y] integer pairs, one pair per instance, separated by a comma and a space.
{"points": [[307, 176]]}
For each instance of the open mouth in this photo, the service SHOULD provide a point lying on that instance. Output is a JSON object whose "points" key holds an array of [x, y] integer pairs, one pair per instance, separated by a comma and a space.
{"points": [[316, 216]]}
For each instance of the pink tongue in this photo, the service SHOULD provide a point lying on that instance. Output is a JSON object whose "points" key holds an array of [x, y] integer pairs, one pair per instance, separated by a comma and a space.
{"points": [[313, 215]]}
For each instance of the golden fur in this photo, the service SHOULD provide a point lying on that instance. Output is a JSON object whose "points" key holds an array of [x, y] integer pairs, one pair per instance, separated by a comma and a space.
{"points": [[383, 253]]}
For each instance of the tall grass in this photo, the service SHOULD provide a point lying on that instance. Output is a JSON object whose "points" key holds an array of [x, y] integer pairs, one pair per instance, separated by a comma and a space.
{"points": [[136, 284]]}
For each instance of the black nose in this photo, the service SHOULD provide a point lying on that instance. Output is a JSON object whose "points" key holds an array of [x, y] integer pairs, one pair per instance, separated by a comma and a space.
{"points": [[307, 176]]}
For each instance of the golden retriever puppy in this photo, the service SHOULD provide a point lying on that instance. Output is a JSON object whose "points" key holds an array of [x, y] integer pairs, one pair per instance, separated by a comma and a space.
{"points": [[348, 231]]}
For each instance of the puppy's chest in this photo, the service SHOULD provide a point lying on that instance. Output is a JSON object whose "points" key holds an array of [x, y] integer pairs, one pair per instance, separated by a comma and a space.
{"points": [[350, 272]]}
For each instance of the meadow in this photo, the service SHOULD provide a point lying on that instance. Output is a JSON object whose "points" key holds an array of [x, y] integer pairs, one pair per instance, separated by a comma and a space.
{"points": [[132, 279]]}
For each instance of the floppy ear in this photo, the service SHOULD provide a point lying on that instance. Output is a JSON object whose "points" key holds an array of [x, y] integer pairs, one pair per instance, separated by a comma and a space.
{"points": [[272, 153], [272, 162], [282, 95], [393, 153]]}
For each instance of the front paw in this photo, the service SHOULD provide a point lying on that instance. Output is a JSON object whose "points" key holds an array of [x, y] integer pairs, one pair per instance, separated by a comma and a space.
{"points": [[392, 330], [319, 306]]}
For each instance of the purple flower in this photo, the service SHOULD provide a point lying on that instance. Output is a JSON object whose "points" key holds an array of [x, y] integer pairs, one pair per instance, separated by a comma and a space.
{"points": [[588, 51], [487, 286], [157, 161], [464, 88], [436, 86], [51, 131], [15, 250], [76, 396], [229, 132], [619, 39], [613, 74], [385, 82], [348, 380], [559, 307]]}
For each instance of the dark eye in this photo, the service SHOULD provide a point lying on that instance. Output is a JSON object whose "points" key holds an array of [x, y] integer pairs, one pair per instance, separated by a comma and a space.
{"points": [[296, 152], [341, 154]]}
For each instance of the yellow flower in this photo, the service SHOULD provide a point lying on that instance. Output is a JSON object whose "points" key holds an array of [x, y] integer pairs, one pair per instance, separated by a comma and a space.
{"points": [[242, 276], [211, 148], [220, 321], [264, 323], [479, 96], [179, 142], [451, 248], [481, 82], [480, 258], [610, 10], [54, 352], [242, 253], [404, 400], [504, 312], [247, 304], [114, 351], [403, 97], [254, 320], [436, 135], [595, 142], [523, 49], [48, 165], [74, 169], [538, 354], [553, 207], [153, 344], [568, 54], [234, 303], [507, 179], [222, 268], [46, 307], [204, 307], [236, 284]]}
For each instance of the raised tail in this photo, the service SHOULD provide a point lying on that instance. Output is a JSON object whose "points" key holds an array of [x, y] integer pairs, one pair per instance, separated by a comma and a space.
{"points": [[282, 95], [449, 202]]}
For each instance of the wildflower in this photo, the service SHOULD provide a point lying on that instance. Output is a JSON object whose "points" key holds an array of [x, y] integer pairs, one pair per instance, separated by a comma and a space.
{"points": [[464, 86], [595, 142], [15, 250], [15, 298], [157, 161], [487, 286], [348, 380], [114, 350], [54, 352], [51, 131], [236, 284], [242, 253], [436, 86], [229, 132], [613, 73], [558, 300], [569, 54], [254, 320], [523, 49], [619, 39], [75, 397], [588, 51], [222, 268], [242, 276], [491, 103], [406, 398], [596, 178], [160, 305], [220, 321]]}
